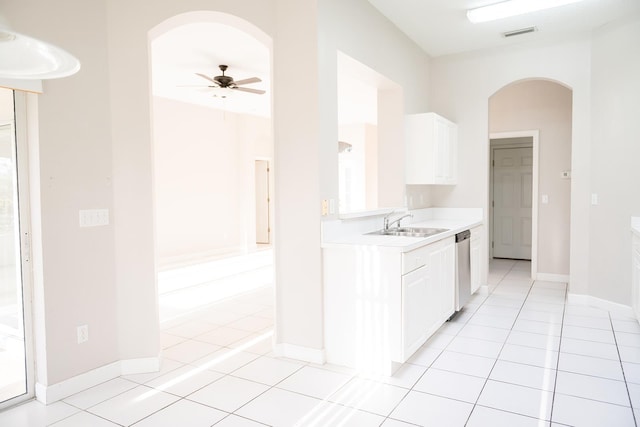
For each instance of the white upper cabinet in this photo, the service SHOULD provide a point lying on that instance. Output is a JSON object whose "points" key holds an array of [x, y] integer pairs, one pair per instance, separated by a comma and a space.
{"points": [[431, 149]]}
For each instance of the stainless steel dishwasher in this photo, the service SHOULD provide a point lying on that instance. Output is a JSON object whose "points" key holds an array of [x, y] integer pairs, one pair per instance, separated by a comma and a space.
{"points": [[463, 268]]}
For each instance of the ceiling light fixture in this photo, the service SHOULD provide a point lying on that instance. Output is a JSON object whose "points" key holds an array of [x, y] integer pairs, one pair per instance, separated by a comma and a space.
{"points": [[221, 92], [509, 8], [23, 57]]}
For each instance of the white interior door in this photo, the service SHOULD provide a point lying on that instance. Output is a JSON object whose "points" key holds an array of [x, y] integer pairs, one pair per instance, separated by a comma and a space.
{"points": [[512, 202], [262, 201]]}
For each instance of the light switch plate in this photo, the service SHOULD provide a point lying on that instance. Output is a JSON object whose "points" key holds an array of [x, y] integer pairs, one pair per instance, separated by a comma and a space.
{"points": [[325, 207], [332, 206], [94, 217], [594, 199]]}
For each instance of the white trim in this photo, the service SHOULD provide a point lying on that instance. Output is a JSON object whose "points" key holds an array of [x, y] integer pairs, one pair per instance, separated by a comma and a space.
{"points": [[535, 135], [139, 366], [53, 393], [550, 277], [25, 85], [482, 290], [306, 354], [588, 300]]}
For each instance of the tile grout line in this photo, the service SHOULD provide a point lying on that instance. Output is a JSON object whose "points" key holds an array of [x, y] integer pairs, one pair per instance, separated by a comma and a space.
{"points": [[555, 382], [423, 374], [626, 385], [503, 344]]}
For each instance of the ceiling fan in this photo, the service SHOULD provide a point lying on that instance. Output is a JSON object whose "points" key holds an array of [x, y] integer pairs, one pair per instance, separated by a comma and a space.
{"points": [[227, 82]]}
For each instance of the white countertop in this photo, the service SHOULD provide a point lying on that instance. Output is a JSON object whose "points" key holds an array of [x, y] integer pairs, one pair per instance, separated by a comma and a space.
{"points": [[402, 243], [635, 225]]}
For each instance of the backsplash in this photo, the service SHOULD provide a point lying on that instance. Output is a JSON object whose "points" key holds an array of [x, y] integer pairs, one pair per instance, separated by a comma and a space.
{"points": [[335, 229]]}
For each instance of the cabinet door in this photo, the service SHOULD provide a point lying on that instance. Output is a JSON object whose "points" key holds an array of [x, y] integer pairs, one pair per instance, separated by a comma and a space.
{"points": [[446, 142], [452, 140], [448, 280], [636, 284], [475, 252], [415, 309], [443, 281], [431, 149], [635, 261], [442, 155]]}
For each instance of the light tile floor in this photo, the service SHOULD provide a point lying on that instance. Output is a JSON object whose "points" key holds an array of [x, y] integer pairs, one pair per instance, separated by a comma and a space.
{"points": [[519, 356]]}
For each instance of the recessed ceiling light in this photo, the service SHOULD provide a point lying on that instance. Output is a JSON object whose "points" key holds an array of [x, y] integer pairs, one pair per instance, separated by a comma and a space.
{"points": [[509, 8]]}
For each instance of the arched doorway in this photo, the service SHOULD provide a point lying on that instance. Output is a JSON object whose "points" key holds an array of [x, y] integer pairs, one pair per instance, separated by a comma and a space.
{"points": [[215, 274], [530, 125]]}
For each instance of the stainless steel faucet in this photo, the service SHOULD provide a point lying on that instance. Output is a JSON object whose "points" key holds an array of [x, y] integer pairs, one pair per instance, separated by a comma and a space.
{"points": [[388, 223]]}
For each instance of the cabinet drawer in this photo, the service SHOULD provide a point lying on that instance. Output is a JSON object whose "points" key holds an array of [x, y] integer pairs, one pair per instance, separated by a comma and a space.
{"points": [[415, 259]]}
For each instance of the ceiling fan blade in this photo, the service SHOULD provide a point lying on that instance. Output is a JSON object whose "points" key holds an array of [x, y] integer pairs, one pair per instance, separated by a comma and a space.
{"points": [[246, 89], [206, 77], [247, 81]]}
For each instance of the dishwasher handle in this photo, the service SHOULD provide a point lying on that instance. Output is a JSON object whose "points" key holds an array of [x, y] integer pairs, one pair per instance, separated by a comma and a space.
{"points": [[463, 235]]}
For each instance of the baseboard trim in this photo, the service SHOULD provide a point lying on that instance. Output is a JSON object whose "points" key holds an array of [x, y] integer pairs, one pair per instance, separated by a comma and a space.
{"points": [[306, 354], [482, 290], [588, 300], [140, 366], [48, 394], [551, 277]]}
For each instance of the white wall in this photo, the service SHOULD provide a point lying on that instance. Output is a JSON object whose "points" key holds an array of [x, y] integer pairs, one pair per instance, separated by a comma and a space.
{"points": [[358, 30], [602, 72], [95, 152], [544, 106], [310, 33], [76, 173], [360, 165], [615, 171], [461, 86], [95, 143], [204, 186]]}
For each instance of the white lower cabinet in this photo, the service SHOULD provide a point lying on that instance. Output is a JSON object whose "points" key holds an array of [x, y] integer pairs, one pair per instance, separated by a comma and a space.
{"points": [[382, 305], [428, 293], [635, 262], [417, 308], [476, 258], [443, 264]]}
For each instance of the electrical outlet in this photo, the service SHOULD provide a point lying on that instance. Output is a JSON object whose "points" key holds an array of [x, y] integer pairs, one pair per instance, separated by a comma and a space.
{"points": [[594, 199], [83, 333]]}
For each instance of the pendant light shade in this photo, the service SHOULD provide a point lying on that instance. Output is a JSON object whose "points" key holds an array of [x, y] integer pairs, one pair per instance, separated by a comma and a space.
{"points": [[23, 57]]}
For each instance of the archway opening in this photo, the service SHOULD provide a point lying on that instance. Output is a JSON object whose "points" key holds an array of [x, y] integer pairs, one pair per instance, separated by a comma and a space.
{"points": [[213, 205], [530, 125]]}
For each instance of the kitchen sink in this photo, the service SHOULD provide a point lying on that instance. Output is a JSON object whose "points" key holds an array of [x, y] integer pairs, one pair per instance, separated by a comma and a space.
{"points": [[410, 231]]}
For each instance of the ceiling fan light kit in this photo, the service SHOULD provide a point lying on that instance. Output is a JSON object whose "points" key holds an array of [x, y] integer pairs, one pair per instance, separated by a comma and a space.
{"points": [[221, 92], [510, 8], [224, 85], [25, 57]]}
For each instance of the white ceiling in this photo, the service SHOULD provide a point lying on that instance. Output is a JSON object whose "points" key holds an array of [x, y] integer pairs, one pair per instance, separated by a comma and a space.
{"points": [[440, 27], [199, 48]]}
